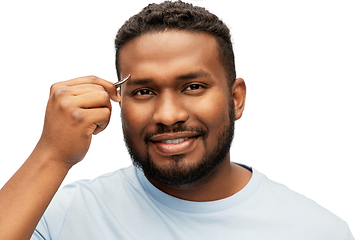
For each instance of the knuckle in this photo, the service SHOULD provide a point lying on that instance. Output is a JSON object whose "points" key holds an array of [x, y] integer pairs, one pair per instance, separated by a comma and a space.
{"points": [[65, 104], [53, 87], [60, 93], [77, 115], [93, 79]]}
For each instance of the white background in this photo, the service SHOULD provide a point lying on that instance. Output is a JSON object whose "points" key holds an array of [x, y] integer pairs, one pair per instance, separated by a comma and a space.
{"points": [[300, 60]]}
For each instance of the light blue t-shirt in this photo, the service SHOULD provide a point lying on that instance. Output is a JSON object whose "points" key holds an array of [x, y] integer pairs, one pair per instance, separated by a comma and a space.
{"points": [[125, 205]]}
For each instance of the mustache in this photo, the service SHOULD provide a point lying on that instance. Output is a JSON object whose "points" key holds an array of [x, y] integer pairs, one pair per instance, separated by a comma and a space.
{"points": [[202, 132]]}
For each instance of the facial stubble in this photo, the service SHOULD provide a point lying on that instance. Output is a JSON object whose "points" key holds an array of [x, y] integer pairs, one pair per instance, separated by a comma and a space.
{"points": [[179, 173]]}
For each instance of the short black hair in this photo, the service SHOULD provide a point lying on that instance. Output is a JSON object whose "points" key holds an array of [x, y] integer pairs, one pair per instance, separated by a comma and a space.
{"points": [[179, 16]]}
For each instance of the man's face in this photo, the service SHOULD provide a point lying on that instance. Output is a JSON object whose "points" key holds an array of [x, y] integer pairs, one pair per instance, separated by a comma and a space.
{"points": [[176, 109]]}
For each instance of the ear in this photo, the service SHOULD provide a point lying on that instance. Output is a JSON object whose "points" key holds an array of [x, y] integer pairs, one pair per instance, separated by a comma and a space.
{"points": [[239, 94]]}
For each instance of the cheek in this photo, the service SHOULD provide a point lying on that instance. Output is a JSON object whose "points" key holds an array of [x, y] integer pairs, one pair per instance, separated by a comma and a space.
{"points": [[135, 117], [212, 110]]}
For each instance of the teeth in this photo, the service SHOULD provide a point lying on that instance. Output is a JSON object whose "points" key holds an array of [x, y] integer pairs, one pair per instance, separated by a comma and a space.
{"points": [[173, 141]]}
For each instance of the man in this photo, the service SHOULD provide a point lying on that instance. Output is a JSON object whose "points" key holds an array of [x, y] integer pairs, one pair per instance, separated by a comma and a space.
{"points": [[178, 112]]}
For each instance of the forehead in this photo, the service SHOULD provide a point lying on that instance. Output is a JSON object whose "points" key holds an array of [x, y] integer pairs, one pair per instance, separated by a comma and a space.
{"points": [[172, 50]]}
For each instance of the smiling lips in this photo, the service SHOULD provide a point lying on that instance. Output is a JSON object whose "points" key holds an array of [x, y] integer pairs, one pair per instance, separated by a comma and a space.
{"points": [[174, 143]]}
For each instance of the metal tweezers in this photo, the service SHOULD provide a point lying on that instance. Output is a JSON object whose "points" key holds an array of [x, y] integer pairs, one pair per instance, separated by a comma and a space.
{"points": [[119, 83]]}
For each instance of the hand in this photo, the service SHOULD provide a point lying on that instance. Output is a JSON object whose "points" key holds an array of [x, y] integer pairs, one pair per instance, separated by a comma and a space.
{"points": [[76, 110]]}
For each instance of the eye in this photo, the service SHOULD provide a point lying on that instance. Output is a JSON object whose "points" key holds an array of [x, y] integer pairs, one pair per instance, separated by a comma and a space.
{"points": [[194, 88], [143, 93]]}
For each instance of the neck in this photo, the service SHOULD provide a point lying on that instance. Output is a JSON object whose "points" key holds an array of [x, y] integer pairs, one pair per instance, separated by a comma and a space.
{"points": [[227, 179]]}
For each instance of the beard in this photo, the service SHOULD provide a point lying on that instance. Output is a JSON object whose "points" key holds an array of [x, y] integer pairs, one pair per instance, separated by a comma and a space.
{"points": [[179, 173]]}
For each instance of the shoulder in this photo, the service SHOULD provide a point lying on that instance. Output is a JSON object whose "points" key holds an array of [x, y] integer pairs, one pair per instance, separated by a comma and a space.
{"points": [[86, 196], [296, 210], [102, 185]]}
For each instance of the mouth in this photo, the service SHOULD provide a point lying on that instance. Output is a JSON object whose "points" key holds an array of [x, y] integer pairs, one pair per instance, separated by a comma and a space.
{"points": [[174, 141], [168, 144]]}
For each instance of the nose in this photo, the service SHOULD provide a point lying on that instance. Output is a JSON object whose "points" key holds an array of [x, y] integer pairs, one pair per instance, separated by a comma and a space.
{"points": [[169, 110]]}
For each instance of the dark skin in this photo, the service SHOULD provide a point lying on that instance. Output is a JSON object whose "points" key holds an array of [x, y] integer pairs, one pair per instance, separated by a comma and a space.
{"points": [[76, 110], [80, 108], [177, 79]]}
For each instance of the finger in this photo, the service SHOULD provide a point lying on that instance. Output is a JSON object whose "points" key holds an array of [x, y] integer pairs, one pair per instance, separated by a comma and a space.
{"points": [[94, 99], [82, 89], [100, 127], [76, 90], [98, 119], [108, 86]]}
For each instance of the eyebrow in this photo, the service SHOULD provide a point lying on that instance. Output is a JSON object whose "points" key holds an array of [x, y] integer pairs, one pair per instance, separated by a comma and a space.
{"points": [[193, 75], [134, 82], [183, 77]]}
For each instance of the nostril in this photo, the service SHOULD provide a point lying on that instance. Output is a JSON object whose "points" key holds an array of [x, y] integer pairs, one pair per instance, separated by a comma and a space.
{"points": [[169, 112]]}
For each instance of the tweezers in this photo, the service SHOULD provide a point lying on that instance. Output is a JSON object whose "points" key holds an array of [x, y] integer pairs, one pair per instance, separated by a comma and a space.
{"points": [[119, 83]]}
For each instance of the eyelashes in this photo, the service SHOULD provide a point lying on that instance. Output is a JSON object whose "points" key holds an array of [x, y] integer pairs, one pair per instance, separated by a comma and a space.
{"points": [[193, 88], [143, 92]]}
